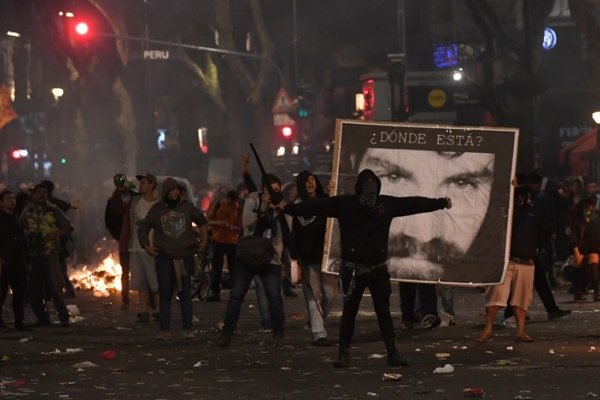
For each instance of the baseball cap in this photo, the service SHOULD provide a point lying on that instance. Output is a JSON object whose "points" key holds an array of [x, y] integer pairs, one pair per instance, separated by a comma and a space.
{"points": [[149, 177]]}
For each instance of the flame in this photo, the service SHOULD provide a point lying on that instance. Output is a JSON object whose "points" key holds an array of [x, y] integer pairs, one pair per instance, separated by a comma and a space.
{"points": [[103, 280]]}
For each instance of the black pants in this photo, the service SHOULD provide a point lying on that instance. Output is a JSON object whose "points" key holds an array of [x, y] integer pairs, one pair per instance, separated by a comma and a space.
{"points": [[378, 282], [46, 282], [220, 251], [427, 298], [15, 277], [124, 261]]}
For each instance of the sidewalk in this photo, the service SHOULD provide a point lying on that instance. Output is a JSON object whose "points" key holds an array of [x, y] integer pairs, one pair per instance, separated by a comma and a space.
{"points": [[68, 363]]}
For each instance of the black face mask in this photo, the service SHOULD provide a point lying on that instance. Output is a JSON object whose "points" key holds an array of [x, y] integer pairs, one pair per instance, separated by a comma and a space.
{"points": [[368, 197], [171, 203]]}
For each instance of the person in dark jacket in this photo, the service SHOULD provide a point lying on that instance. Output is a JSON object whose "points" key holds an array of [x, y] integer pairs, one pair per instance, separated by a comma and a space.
{"points": [[13, 273], [117, 223], [587, 245], [309, 237], [364, 219], [174, 246], [527, 232]]}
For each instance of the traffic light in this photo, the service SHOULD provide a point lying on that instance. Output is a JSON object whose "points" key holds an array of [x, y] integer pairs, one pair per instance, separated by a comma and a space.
{"points": [[306, 102], [81, 28], [286, 131], [63, 161]]}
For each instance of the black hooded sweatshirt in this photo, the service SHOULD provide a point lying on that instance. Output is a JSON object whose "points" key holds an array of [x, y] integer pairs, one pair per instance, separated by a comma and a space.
{"points": [[364, 230], [308, 232]]}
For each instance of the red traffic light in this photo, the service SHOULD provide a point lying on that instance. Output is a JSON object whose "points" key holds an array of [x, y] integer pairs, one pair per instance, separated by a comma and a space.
{"points": [[286, 131], [82, 28]]}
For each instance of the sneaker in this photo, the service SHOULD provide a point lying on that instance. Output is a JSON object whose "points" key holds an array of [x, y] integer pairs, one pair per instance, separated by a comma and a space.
{"points": [[447, 320], [290, 294], [430, 321], [510, 322], [321, 342], [558, 313], [343, 360], [163, 335], [224, 341], [188, 334], [394, 360], [143, 318]]}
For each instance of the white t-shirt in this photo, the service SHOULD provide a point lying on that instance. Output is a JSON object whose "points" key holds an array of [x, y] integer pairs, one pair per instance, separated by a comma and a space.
{"points": [[139, 213]]}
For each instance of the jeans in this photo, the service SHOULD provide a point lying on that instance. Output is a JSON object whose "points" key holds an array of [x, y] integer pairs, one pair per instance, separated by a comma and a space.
{"points": [[317, 298], [447, 299], [262, 303], [220, 251], [167, 282], [45, 282], [427, 300], [271, 279], [378, 282]]}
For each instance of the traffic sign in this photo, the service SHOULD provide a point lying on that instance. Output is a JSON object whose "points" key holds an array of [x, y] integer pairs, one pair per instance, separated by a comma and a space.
{"points": [[283, 103], [282, 119]]}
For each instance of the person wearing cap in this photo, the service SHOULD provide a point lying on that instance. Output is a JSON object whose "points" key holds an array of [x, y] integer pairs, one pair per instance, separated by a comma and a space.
{"points": [[117, 223], [174, 246], [141, 264]]}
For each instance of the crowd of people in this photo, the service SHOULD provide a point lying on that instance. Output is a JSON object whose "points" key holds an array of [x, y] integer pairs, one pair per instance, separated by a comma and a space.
{"points": [[162, 234]]}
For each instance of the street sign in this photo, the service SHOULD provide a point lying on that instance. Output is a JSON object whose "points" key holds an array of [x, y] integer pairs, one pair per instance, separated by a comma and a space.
{"points": [[283, 103], [156, 55], [282, 119]]}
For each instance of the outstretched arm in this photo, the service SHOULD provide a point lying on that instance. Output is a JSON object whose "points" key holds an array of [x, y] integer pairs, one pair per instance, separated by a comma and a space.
{"points": [[416, 205]]}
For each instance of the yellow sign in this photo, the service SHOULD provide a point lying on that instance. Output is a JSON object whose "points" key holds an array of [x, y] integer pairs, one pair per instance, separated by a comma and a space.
{"points": [[436, 98]]}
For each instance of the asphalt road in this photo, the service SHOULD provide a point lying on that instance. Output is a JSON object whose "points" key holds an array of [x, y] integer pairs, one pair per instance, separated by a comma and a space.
{"points": [[71, 363]]}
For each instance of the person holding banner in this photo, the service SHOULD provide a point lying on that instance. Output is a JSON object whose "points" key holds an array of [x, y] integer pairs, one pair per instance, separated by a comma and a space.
{"points": [[527, 230], [365, 220]]}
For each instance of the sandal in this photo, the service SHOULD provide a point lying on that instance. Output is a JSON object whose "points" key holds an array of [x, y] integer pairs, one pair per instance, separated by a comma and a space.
{"points": [[484, 337], [523, 338]]}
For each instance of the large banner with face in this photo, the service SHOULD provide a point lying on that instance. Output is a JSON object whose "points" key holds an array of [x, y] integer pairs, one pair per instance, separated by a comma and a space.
{"points": [[465, 245]]}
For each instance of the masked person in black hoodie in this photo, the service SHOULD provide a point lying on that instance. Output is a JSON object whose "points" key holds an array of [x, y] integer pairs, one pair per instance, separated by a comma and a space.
{"points": [[364, 219], [309, 236]]}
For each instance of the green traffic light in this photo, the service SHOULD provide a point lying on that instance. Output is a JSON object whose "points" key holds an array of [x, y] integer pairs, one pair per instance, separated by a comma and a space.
{"points": [[63, 160], [303, 113]]}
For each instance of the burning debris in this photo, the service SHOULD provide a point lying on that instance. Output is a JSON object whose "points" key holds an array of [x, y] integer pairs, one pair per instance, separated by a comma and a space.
{"points": [[103, 280]]}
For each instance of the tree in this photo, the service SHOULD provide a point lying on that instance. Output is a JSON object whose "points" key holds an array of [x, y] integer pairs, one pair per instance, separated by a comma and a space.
{"points": [[512, 79]]}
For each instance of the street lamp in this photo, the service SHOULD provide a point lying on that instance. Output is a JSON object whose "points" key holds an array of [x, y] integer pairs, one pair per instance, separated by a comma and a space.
{"points": [[57, 93]]}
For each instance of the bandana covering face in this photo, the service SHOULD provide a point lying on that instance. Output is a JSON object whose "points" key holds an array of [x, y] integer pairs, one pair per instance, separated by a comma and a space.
{"points": [[368, 197], [171, 203]]}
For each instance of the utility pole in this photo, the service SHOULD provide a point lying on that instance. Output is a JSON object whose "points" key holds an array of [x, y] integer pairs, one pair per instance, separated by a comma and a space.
{"points": [[397, 70]]}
